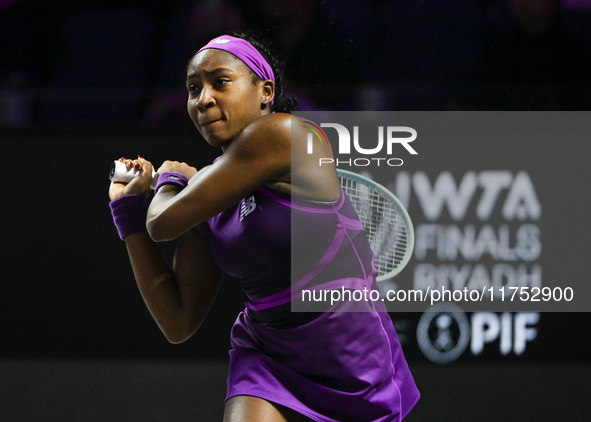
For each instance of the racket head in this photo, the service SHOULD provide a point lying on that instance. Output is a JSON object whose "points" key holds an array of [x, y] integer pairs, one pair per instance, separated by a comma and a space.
{"points": [[385, 220]]}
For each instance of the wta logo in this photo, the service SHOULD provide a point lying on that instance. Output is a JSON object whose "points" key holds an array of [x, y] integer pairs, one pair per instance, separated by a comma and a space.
{"points": [[388, 136]]}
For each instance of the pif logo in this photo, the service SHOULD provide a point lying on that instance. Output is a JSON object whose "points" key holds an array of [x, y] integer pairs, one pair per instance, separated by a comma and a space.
{"points": [[386, 137], [444, 332]]}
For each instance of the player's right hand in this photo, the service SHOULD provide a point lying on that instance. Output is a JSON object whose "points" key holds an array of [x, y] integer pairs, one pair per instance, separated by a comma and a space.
{"points": [[138, 185]]}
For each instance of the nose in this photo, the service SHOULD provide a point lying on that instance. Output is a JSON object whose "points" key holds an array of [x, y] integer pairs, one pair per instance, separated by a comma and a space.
{"points": [[205, 99]]}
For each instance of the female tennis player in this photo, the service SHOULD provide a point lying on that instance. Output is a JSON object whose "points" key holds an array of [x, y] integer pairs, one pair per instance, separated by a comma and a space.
{"points": [[239, 215]]}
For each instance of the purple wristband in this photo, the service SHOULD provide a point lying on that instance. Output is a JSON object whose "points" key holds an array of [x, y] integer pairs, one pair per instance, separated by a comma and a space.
{"points": [[172, 178], [129, 214]]}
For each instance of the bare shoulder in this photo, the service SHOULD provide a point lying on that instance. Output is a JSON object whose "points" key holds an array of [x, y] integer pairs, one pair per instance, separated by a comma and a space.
{"points": [[277, 146], [264, 145], [283, 136], [272, 129], [306, 145], [266, 139]]}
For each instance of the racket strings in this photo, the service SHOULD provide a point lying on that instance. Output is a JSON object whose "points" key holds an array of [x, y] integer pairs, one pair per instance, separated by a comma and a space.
{"points": [[383, 224]]}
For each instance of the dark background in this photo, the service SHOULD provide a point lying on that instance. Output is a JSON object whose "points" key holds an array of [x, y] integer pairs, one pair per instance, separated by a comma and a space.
{"points": [[83, 83]]}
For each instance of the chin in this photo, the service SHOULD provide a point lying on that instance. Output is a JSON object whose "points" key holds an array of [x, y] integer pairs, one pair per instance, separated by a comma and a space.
{"points": [[217, 141]]}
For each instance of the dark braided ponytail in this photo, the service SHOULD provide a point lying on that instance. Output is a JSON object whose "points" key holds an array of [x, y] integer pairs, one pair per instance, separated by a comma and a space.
{"points": [[281, 104]]}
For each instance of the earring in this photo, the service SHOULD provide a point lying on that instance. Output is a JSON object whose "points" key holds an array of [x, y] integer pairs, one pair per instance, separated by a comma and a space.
{"points": [[264, 100]]}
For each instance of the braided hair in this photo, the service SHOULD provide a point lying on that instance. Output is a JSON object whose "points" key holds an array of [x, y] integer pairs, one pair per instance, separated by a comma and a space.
{"points": [[281, 103]]}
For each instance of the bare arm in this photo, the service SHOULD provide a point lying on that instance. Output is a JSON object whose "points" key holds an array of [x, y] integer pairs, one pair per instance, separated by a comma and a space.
{"points": [[271, 151], [177, 296], [260, 154]]}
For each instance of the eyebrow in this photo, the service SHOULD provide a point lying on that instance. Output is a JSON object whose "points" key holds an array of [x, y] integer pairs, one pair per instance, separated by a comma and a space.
{"points": [[211, 72]]}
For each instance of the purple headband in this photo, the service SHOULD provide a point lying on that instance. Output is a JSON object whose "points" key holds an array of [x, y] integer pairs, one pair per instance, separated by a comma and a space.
{"points": [[245, 52]]}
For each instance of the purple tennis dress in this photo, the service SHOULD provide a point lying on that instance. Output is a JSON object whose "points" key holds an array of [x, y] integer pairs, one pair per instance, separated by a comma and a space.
{"points": [[331, 366]]}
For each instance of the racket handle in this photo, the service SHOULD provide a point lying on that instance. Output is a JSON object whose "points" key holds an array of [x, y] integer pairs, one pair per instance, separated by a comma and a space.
{"points": [[120, 173]]}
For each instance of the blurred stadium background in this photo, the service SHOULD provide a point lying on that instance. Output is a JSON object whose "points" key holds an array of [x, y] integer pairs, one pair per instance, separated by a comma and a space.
{"points": [[85, 82]]}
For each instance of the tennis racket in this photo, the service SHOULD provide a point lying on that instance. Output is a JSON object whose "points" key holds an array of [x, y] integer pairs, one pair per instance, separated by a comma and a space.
{"points": [[385, 220]]}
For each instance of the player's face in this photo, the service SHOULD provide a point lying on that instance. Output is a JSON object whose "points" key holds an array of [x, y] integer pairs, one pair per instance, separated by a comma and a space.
{"points": [[222, 96]]}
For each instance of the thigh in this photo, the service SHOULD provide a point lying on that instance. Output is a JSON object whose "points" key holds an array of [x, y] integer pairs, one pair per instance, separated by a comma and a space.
{"points": [[255, 409]]}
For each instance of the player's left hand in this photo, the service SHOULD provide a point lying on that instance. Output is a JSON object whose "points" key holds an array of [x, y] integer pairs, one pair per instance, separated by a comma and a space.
{"points": [[178, 167]]}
